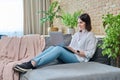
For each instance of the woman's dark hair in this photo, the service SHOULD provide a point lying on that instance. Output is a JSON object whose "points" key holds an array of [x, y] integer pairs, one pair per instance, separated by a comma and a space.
{"points": [[86, 18]]}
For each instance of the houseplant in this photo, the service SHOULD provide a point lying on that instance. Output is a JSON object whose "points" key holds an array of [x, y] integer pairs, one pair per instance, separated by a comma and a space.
{"points": [[50, 14], [111, 42], [70, 20]]}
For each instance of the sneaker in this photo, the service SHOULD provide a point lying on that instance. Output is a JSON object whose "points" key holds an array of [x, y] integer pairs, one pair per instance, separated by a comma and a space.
{"points": [[24, 67], [19, 70]]}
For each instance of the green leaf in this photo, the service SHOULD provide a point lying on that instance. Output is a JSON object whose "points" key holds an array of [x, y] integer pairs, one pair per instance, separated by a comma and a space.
{"points": [[70, 20], [111, 42], [51, 13]]}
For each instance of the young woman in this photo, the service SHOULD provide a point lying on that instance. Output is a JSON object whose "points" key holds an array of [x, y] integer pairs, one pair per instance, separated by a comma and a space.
{"points": [[82, 46]]}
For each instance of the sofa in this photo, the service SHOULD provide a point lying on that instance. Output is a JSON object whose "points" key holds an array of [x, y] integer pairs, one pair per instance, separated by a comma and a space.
{"points": [[98, 68]]}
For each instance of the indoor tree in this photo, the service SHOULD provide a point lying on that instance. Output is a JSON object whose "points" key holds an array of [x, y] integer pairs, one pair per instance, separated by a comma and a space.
{"points": [[111, 41], [70, 20], [51, 13]]}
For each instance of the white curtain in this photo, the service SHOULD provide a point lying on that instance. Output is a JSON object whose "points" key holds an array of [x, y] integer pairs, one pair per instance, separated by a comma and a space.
{"points": [[32, 16]]}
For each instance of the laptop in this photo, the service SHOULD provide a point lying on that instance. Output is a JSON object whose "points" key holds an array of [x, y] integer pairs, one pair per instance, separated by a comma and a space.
{"points": [[57, 39]]}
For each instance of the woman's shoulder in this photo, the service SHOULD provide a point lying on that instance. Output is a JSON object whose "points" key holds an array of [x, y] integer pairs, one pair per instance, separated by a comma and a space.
{"points": [[92, 37], [91, 34], [75, 34]]}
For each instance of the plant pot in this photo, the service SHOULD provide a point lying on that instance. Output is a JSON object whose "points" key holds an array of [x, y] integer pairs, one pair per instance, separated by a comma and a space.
{"points": [[70, 31], [54, 29], [118, 61], [115, 62]]}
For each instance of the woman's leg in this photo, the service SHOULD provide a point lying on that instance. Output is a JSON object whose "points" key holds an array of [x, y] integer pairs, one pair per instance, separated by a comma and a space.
{"points": [[31, 64], [42, 53], [46, 57], [45, 51], [56, 52]]}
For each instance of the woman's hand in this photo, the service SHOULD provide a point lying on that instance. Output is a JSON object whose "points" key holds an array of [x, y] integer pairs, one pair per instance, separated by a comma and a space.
{"points": [[77, 52], [70, 49], [80, 53]]}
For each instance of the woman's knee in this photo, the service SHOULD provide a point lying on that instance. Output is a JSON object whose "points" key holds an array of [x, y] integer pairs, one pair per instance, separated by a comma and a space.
{"points": [[58, 47], [51, 46]]}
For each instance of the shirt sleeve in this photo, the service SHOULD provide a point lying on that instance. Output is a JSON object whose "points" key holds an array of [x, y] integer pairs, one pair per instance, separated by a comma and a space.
{"points": [[91, 46]]}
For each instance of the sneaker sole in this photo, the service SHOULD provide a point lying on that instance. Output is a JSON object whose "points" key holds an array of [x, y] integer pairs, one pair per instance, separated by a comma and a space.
{"points": [[19, 69]]}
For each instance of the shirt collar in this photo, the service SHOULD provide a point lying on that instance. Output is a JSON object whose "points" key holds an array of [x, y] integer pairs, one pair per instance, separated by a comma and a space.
{"points": [[83, 31]]}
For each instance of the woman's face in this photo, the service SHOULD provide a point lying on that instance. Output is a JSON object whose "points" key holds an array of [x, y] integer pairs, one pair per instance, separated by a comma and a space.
{"points": [[81, 24]]}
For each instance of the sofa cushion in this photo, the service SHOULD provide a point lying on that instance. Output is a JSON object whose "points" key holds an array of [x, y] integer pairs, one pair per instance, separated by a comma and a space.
{"points": [[74, 71], [98, 57]]}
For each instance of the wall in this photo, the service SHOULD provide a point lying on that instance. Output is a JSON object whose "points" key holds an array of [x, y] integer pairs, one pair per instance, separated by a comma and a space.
{"points": [[95, 8]]}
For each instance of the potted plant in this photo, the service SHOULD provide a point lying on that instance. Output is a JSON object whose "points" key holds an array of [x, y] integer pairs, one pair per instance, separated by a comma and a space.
{"points": [[50, 14], [111, 42], [70, 20]]}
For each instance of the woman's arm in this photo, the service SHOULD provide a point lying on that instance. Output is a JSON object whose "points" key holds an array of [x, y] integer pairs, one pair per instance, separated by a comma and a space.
{"points": [[80, 53], [70, 48], [91, 46]]}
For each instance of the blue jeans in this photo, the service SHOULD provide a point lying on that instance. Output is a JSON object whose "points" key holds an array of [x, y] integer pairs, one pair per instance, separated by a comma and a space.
{"points": [[52, 53]]}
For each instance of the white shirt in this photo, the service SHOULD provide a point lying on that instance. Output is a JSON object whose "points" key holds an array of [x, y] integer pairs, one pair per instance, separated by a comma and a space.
{"points": [[84, 41]]}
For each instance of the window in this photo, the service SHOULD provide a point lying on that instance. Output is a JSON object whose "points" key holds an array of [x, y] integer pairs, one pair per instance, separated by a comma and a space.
{"points": [[11, 17]]}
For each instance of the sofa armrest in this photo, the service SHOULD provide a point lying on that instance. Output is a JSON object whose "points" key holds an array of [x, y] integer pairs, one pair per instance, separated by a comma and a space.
{"points": [[2, 36]]}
